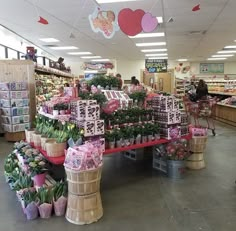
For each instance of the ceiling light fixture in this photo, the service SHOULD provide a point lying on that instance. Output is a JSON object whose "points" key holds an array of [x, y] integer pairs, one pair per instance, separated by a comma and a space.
{"points": [[182, 60], [216, 58], [112, 1], [150, 55], [90, 57], [220, 56], [154, 50], [160, 20], [91, 71], [158, 58], [49, 40], [64, 48], [230, 47], [226, 52], [148, 35], [100, 60], [79, 53], [150, 44]]}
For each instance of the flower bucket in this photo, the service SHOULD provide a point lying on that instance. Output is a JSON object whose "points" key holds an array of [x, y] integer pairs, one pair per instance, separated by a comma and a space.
{"points": [[31, 211], [138, 139], [150, 138], [112, 144], [28, 135], [55, 149], [45, 210], [119, 143], [127, 143], [176, 169], [60, 206], [36, 140], [144, 139], [131, 141], [157, 136], [44, 139], [39, 179]]}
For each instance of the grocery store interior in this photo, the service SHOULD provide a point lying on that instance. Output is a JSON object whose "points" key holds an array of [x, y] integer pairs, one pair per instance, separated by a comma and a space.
{"points": [[105, 122]]}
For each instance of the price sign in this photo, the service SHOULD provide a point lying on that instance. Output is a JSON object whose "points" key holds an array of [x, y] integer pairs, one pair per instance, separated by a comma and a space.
{"points": [[156, 65]]}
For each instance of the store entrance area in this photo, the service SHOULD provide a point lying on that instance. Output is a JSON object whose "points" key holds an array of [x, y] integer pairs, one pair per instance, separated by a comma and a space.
{"points": [[136, 197]]}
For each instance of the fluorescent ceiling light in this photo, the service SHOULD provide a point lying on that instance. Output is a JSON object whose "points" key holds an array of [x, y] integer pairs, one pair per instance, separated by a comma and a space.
{"points": [[100, 60], [148, 35], [90, 57], [64, 48], [79, 53], [160, 20], [91, 71], [150, 44], [111, 1], [182, 60], [230, 47], [158, 58], [216, 58], [154, 50], [161, 54], [226, 52], [49, 40], [219, 56]]}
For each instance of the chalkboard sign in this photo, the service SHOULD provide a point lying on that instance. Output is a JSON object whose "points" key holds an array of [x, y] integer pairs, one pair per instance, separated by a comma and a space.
{"points": [[156, 65]]}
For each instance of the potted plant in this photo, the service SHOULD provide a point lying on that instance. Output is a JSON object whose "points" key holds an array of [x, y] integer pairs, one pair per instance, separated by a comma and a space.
{"points": [[59, 198], [45, 198], [176, 155], [148, 128], [10, 164], [138, 130], [118, 137], [57, 146], [126, 136], [131, 134], [29, 204], [37, 168], [110, 139], [156, 131]]}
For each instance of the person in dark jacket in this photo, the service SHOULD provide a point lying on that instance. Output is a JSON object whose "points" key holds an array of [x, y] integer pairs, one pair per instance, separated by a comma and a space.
{"points": [[202, 90]]}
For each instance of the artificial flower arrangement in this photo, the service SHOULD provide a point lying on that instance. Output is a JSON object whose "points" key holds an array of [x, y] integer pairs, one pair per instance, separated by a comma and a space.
{"points": [[177, 150]]}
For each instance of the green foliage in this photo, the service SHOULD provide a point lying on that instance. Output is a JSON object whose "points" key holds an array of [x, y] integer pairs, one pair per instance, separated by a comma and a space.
{"points": [[29, 196], [59, 189], [45, 195], [110, 136], [104, 81], [23, 181], [10, 163], [138, 96]]}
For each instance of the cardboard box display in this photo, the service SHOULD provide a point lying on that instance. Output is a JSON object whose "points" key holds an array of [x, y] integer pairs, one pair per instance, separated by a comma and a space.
{"points": [[14, 94], [89, 128], [14, 103], [165, 117], [78, 109], [15, 119], [170, 132], [175, 105], [92, 112], [91, 102], [177, 117], [16, 127], [99, 127]]}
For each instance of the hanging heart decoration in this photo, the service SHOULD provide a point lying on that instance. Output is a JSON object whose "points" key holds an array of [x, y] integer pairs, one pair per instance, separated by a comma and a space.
{"points": [[196, 8], [149, 23], [42, 20]]}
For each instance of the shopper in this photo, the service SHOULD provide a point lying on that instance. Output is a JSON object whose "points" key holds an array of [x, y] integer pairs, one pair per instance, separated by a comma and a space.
{"points": [[202, 90], [61, 92], [120, 80]]}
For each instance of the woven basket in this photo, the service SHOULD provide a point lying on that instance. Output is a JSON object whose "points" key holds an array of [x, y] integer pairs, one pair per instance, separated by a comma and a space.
{"points": [[43, 142], [55, 149], [198, 144], [196, 157], [83, 210], [196, 165], [29, 135], [36, 139], [84, 182]]}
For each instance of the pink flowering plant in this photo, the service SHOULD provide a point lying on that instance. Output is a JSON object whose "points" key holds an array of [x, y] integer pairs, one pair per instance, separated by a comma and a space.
{"points": [[37, 165]]}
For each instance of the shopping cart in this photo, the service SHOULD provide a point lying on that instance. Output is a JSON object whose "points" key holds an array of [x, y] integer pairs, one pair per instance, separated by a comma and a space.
{"points": [[200, 111]]}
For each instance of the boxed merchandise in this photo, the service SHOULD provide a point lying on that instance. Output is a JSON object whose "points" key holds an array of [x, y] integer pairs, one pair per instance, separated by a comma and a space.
{"points": [[78, 109], [184, 118], [92, 112], [88, 126], [4, 87], [15, 119], [14, 94], [170, 131], [91, 102], [177, 117], [165, 117], [16, 127], [14, 103], [99, 127], [97, 142], [17, 111], [175, 105], [17, 86]]}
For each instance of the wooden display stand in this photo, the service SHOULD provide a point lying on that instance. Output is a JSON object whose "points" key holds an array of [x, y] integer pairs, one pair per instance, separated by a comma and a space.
{"points": [[14, 136], [226, 114]]}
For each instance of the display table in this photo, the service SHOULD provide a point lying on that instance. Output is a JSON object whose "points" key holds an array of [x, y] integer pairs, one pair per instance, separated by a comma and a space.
{"points": [[222, 93], [226, 113], [60, 160]]}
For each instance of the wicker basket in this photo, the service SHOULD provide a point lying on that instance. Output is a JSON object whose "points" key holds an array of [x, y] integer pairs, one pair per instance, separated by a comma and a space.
{"points": [[29, 135], [84, 182], [36, 139], [198, 144], [55, 149], [83, 210], [196, 165], [196, 157], [43, 142]]}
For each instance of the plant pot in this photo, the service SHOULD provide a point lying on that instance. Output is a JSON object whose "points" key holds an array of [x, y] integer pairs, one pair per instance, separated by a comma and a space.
{"points": [[157, 136], [55, 149], [119, 143], [126, 142], [31, 211], [176, 169], [36, 140], [60, 206], [144, 139], [45, 210], [39, 179], [131, 141], [138, 139], [28, 135], [44, 139], [62, 112], [112, 144], [150, 138], [55, 112]]}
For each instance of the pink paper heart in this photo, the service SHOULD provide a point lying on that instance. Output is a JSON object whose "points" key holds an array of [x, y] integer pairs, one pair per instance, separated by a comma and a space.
{"points": [[149, 22]]}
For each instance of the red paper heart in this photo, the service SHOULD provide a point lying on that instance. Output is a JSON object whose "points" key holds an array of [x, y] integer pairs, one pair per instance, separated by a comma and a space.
{"points": [[130, 21], [196, 8], [43, 20]]}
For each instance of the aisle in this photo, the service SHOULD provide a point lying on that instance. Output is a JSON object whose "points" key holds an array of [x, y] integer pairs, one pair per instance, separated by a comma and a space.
{"points": [[136, 198]]}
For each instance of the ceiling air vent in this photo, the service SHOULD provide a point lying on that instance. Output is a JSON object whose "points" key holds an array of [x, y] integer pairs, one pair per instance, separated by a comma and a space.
{"points": [[48, 45], [196, 32]]}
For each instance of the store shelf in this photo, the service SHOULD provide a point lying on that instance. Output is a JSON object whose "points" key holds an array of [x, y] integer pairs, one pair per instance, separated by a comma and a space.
{"points": [[226, 105], [54, 160], [59, 117], [222, 93]]}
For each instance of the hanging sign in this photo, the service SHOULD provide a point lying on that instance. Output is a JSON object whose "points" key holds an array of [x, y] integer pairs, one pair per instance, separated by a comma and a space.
{"points": [[104, 22], [156, 65]]}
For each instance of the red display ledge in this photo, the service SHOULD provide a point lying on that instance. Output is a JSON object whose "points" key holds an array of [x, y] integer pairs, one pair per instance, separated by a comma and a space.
{"points": [[143, 145], [54, 160]]}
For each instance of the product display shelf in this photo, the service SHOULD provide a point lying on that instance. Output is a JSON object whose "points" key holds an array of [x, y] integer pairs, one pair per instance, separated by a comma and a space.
{"points": [[58, 117], [222, 93]]}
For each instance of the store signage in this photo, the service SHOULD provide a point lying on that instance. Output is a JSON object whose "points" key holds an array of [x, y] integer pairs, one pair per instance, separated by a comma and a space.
{"points": [[217, 68], [111, 106], [156, 65], [98, 66]]}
